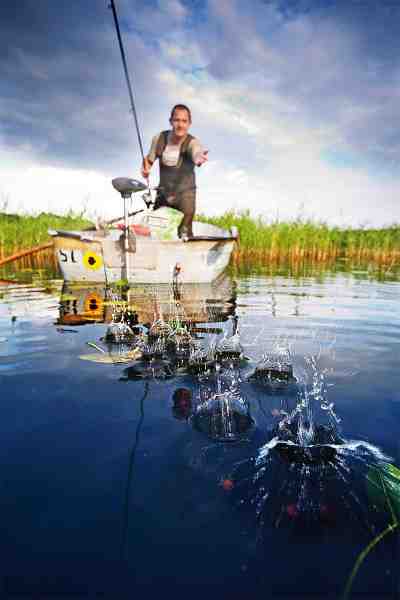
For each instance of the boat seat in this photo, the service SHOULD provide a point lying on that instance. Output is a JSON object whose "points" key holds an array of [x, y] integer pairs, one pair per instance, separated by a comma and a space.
{"points": [[127, 186]]}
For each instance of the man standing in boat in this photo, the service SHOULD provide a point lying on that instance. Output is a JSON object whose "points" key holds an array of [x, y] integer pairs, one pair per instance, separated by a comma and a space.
{"points": [[178, 153]]}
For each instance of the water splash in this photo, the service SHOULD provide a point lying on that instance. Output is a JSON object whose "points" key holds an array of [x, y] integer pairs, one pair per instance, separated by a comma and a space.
{"points": [[307, 475], [222, 412]]}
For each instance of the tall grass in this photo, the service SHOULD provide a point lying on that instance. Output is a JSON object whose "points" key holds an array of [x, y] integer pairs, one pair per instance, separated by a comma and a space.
{"points": [[20, 232], [260, 242], [306, 240]]}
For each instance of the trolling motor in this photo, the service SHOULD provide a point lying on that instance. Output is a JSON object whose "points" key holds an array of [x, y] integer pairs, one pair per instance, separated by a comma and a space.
{"points": [[126, 187]]}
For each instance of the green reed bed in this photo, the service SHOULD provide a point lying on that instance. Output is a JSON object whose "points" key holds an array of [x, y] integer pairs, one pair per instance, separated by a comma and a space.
{"points": [[20, 232], [274, 243], [305, 240]]}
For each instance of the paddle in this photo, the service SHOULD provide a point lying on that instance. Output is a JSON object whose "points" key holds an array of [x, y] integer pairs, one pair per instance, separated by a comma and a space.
{"points": [[23, 253]]}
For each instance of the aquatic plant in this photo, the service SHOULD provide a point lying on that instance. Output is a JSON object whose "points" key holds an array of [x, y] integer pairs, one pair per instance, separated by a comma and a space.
{"points": [[384, 485]]}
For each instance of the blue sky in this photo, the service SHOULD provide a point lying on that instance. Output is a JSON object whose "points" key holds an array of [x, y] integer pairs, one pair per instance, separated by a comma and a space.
{"points": [[298, 102]]}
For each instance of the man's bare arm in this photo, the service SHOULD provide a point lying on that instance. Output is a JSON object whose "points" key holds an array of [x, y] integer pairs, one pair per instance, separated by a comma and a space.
{"points": [[148, 160], [146, 167]]}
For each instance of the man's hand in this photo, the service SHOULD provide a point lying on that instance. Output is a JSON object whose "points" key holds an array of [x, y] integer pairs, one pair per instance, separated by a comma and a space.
{"points": [[146, 168], [200, 158]]}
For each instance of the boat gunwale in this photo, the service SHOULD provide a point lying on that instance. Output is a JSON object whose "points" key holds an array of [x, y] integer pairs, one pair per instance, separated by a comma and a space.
{"points": [[81, 237]]}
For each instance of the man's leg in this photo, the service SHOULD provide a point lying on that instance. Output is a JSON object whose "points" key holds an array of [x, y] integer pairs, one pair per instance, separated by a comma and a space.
{"points": [[187, 205]]}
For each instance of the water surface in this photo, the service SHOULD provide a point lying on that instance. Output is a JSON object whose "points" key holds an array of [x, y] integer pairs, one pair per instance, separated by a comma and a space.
{"points": [[109, 488]]}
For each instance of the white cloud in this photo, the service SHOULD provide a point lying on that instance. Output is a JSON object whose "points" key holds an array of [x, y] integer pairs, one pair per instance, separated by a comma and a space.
{"points": [[308, 188], [338, 196], [36, 189]]}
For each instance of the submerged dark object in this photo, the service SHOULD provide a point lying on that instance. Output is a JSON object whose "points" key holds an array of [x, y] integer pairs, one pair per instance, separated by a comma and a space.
{"points": [[201, 364], [223, 417], [321, 434], [132, 319], [155, 369], [228, 355], [119, 332], [218, 427], [229, 349], [321, 448], [307, 455], [273, 369]]}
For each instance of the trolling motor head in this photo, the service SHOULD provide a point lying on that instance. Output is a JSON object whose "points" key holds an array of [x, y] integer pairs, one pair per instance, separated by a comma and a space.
{"points": [[127, 186]]}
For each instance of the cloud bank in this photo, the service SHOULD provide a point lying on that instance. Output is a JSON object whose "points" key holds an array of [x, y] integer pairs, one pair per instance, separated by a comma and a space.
{"points": [[296, 100]]}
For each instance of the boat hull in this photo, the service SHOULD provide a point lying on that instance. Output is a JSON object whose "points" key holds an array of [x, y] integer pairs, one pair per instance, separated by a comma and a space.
{"points": [[91, 258]]}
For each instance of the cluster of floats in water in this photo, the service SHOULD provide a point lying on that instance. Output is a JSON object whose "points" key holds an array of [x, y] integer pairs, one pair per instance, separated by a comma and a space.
{"points": [[304, 472], [166, 332]]}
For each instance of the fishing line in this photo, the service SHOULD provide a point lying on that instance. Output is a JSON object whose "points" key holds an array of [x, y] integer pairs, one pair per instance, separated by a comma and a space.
{"points": [[132, 458]]}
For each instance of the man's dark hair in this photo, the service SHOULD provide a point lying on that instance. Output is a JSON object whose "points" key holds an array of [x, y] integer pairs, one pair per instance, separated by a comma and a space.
{"points": [[181, 107]]}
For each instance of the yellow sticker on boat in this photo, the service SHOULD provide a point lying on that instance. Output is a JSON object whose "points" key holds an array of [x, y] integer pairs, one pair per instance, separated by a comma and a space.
{"points": [[92, 261]]}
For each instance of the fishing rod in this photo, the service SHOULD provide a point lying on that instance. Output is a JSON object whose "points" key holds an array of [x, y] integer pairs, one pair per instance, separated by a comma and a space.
{"points": [[121, 47]]}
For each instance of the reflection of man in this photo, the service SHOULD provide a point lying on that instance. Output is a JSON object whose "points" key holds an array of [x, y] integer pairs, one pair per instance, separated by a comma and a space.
{"points": [[182, 404]]}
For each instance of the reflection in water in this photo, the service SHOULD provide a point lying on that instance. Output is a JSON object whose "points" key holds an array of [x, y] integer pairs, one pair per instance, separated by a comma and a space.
{"points": [[161, 323], [189, 303]]}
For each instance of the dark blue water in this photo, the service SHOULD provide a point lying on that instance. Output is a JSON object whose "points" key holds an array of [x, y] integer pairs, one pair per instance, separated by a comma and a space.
{"points": [[109, 488]]}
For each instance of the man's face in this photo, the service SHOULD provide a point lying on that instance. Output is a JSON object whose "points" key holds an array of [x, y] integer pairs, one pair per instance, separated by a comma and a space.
{"points": [[180, 122]]}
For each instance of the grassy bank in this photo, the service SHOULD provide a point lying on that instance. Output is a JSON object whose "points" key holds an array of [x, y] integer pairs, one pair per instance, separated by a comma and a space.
{"points": [[304, 240]]}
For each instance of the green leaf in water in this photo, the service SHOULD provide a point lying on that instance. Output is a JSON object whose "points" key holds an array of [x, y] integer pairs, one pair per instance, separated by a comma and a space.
{"points": [[383, 487], [112, 359]]}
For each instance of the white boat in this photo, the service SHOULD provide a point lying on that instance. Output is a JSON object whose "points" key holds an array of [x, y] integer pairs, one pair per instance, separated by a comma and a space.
{"points": [[151, 253]]}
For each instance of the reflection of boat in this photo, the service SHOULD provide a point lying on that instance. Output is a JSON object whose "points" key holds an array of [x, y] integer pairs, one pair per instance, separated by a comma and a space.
{"points": [[80, 305], [150, 253], [191, 303]]}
